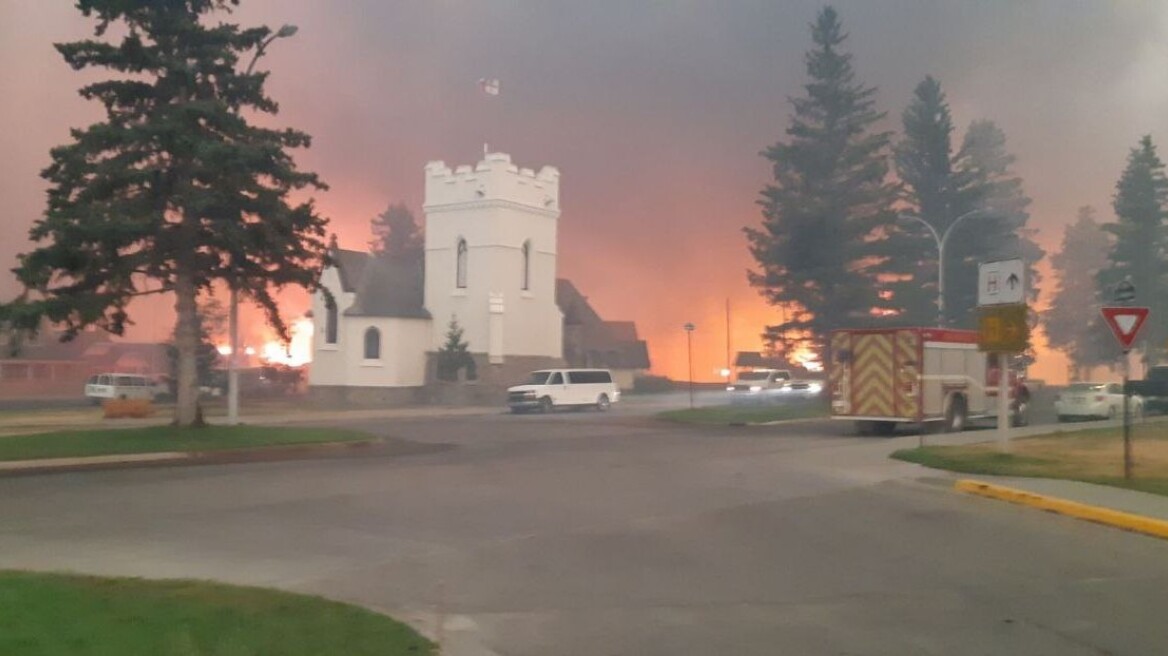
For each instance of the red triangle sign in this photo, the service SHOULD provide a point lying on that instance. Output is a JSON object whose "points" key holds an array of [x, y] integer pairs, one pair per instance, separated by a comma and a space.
{"points": [[1125, 322]]}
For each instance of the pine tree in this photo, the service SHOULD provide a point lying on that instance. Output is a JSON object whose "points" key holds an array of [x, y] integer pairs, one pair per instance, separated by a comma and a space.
{"points": [[924, 164], [829, 201], [455, 355], [1141, 241], [396, 233], [991, 194], [175, 184], [1069, 327]]}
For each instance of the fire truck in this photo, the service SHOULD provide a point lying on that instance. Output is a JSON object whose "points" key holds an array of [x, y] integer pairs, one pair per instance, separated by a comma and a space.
{"points": [[883, 377]]}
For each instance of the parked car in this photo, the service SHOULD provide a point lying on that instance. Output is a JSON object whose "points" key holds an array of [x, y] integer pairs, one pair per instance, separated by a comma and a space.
{"points": [[548, 389], [101, 387], [1154, 389], [1095, 401]]}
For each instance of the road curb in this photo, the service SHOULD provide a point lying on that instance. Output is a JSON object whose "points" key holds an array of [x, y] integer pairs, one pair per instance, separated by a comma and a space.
{"points": [[1106, 516], [130, 460]]}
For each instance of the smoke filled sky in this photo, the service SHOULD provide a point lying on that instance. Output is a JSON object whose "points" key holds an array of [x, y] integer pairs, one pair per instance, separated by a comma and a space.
{"points": [[654, 111]]}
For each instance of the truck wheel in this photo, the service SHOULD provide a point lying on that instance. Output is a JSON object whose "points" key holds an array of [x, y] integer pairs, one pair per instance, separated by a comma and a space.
{"points": [[956, 415], [545, 405], [603, 403]]}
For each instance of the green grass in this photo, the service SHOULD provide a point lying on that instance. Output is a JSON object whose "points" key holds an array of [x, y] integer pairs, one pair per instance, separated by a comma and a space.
{"points": [[1091, 456], [747, 414], [153, 439], [59, 615]]}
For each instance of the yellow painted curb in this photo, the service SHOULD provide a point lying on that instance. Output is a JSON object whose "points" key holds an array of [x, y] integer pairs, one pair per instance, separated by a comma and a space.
{"points": [[1118, 519]]}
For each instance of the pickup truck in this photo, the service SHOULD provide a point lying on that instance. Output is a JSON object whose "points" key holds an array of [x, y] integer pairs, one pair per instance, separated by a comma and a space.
{"points": [[771, 385], [1154, 389]]}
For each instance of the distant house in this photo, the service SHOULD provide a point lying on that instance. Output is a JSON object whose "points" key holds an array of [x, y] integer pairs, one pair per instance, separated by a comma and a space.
{"points": [[490, 265], [45, 366]]}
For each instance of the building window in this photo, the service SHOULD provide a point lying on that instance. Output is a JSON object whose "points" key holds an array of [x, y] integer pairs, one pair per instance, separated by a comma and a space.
{"points": [[372, 344], [527, 265], [460, 272], [330, 321]]}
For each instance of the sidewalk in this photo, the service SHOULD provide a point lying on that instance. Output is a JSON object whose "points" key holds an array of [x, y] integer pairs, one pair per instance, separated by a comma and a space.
{"points": [[1112, 506], [90, 418]]}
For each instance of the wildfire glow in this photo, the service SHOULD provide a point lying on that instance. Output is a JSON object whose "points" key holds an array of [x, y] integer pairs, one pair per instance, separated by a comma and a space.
{"points": [[297, 352], [807, 359]]}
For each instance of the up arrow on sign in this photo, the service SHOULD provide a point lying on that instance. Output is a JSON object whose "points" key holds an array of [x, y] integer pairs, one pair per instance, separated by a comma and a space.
{"points": [[1125, 323]]}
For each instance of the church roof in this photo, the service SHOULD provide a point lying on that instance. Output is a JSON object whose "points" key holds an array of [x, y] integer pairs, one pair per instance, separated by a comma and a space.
{"points": [[590, 341], [574, 305], [385, 286], [351, 265]]}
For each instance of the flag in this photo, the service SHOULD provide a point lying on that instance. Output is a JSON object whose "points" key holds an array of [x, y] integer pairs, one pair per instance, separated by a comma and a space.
{"points": [[489, 86]]}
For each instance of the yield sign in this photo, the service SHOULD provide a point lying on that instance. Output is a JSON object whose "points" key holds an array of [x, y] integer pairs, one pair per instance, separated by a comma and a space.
{"points": [[1125, 322]]}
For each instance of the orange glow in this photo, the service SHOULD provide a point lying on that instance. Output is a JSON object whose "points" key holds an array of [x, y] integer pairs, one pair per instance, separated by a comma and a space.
{"points": [[296, 352]]}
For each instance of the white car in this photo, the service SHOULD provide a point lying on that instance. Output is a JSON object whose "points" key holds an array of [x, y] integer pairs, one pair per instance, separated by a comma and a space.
{"points": [[771, 385], [1095, 401]]}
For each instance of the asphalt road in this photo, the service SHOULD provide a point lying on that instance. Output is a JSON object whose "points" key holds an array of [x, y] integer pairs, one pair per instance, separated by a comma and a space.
{"points": [[606, 534]]}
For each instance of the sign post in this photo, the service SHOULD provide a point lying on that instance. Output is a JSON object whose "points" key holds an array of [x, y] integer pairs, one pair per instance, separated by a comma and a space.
{"points": [[1002, 327], [1125, 323]]}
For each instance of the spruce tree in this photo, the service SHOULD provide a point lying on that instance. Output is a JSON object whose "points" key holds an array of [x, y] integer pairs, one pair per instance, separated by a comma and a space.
{"points": [[174, 185], [829, 201], [985, 185], [454, 354], [924, 164], [1141, 207], [396, 233], [1070, 326]]}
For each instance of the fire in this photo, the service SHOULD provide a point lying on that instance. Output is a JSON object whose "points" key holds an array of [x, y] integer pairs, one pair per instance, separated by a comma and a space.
{"points": [[296, 352], [807, 359]]}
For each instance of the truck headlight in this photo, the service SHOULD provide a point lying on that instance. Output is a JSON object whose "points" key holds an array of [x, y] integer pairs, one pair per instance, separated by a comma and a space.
{"points": [[755, 388], [815, 388]]}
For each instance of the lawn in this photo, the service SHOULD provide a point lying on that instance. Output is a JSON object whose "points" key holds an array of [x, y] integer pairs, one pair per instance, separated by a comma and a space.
{"points": [[728, 415], [153, 439], [1093, 456], [59, 615]]}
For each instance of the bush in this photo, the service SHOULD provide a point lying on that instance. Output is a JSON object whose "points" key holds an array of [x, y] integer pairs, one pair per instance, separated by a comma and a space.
{"points": [[652, 384], [131, 408]]}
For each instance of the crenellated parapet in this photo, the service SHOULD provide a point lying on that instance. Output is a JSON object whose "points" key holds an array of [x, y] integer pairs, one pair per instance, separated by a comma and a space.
{"points": [[495, 179]]}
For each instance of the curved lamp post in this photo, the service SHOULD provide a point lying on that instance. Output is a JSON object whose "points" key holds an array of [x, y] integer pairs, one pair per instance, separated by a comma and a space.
{"points": [[941, 240], [233, 304]]}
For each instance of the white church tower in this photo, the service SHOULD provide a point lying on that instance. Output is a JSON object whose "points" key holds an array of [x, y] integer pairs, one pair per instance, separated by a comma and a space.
{"points": [[491, 257]]}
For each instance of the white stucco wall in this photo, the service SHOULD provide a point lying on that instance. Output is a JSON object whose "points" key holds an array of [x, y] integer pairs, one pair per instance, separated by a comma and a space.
{"points": [[496, 207], [404, 343], [403, 352], [328, 360]]}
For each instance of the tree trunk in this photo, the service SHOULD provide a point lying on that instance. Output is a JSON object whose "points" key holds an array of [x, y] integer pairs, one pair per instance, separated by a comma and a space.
{"points": [[186, 341]]}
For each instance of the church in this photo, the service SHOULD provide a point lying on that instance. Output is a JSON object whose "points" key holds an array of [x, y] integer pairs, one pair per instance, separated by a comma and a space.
{"points": [[489, 265]]}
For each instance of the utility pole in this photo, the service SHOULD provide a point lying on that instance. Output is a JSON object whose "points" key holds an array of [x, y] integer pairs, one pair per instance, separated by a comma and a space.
{"points": [[689, 328]]}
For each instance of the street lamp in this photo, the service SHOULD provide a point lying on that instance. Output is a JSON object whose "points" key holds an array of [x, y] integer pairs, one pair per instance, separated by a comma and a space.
{"points": [[233, 305], [689, 328], [941, 240]]}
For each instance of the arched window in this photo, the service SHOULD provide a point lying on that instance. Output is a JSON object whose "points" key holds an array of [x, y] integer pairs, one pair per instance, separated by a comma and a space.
{"points": [[527, 265], [460, 272], [330, 321], [372, 344]]}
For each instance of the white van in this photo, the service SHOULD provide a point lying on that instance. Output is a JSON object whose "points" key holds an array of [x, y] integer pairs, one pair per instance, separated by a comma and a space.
{"points": [[119, 386], [553, 388]]}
